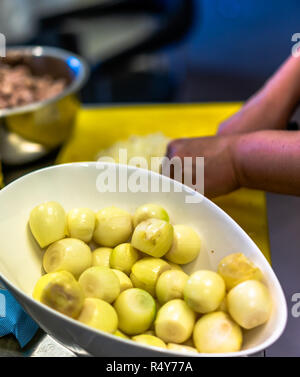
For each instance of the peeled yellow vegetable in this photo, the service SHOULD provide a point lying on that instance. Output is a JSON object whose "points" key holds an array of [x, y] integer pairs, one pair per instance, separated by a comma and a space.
{"points": [[249, 304], [61, 292], [81, 223], [145, 298], [174, 322], [68, 254], [121, 335], [47, 223], [170, 285], [123, 257], [101, 256], [174, 266], [153, 237], [189, 342], [136, 311], [150, 332], [204, 291], [146, 271], [217, 333], [236, 268], [125, 282], [100, 282], [223, 306], [149, 211], [180, 348], [113, 226], [186, 245], [99, 314], [149, 340], [158, 305], [151, 328]]}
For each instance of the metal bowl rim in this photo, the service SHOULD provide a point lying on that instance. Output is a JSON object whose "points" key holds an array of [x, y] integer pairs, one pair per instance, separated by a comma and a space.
{"points": [[55, 52]]}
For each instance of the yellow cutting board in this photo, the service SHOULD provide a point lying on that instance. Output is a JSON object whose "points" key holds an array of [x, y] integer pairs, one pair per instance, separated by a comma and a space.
{"points": [[99, 128]]}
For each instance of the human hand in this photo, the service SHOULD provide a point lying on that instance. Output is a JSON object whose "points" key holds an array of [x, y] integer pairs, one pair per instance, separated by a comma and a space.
{"points": [[250, 145], [220, 172]]}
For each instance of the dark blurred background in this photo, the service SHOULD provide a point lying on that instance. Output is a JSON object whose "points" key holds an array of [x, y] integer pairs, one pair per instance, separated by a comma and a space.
{"points": [[162, 50]]}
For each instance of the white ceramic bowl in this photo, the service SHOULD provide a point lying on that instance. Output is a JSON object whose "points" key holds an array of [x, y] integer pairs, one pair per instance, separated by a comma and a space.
{"points": [[74, 185]]}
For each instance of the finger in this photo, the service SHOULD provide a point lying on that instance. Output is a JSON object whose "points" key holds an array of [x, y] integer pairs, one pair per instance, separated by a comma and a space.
{"points": [[171, 149], [167, 168]]}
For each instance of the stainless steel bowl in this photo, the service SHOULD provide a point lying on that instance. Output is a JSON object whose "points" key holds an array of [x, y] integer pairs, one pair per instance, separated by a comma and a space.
{"points": [[30, 132]]}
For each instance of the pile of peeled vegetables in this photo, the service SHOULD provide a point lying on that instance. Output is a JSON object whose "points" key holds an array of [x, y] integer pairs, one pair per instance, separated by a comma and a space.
{"points": [[137, 289]]}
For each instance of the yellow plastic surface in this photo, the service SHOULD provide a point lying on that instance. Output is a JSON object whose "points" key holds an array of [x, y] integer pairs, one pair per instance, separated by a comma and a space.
{"points": [[99, 128]]}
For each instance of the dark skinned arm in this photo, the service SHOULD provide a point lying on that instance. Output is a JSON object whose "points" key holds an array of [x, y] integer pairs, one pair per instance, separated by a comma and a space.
{"points": [[272, 106], [268, 160], [251, 150]]}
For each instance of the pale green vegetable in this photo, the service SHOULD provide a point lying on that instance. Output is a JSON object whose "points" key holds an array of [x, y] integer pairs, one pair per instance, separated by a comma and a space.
{"points": [[149, 211], [125, 282], [123, 257], [236, 268], [100, 315], [204, 291], [113, 226], [151, 328], [100, 282], [217, 333], [175, 322], [81, 223], [61, 292], [146, 272], [153, 237], [186, 245], [170, 285], [68, 254], [136, 311], [249, 304], [149, 340], [101, 256], [47, 223]]}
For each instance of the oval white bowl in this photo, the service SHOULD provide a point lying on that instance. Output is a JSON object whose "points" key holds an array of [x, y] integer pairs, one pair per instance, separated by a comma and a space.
{"points": [[74, 185]]}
